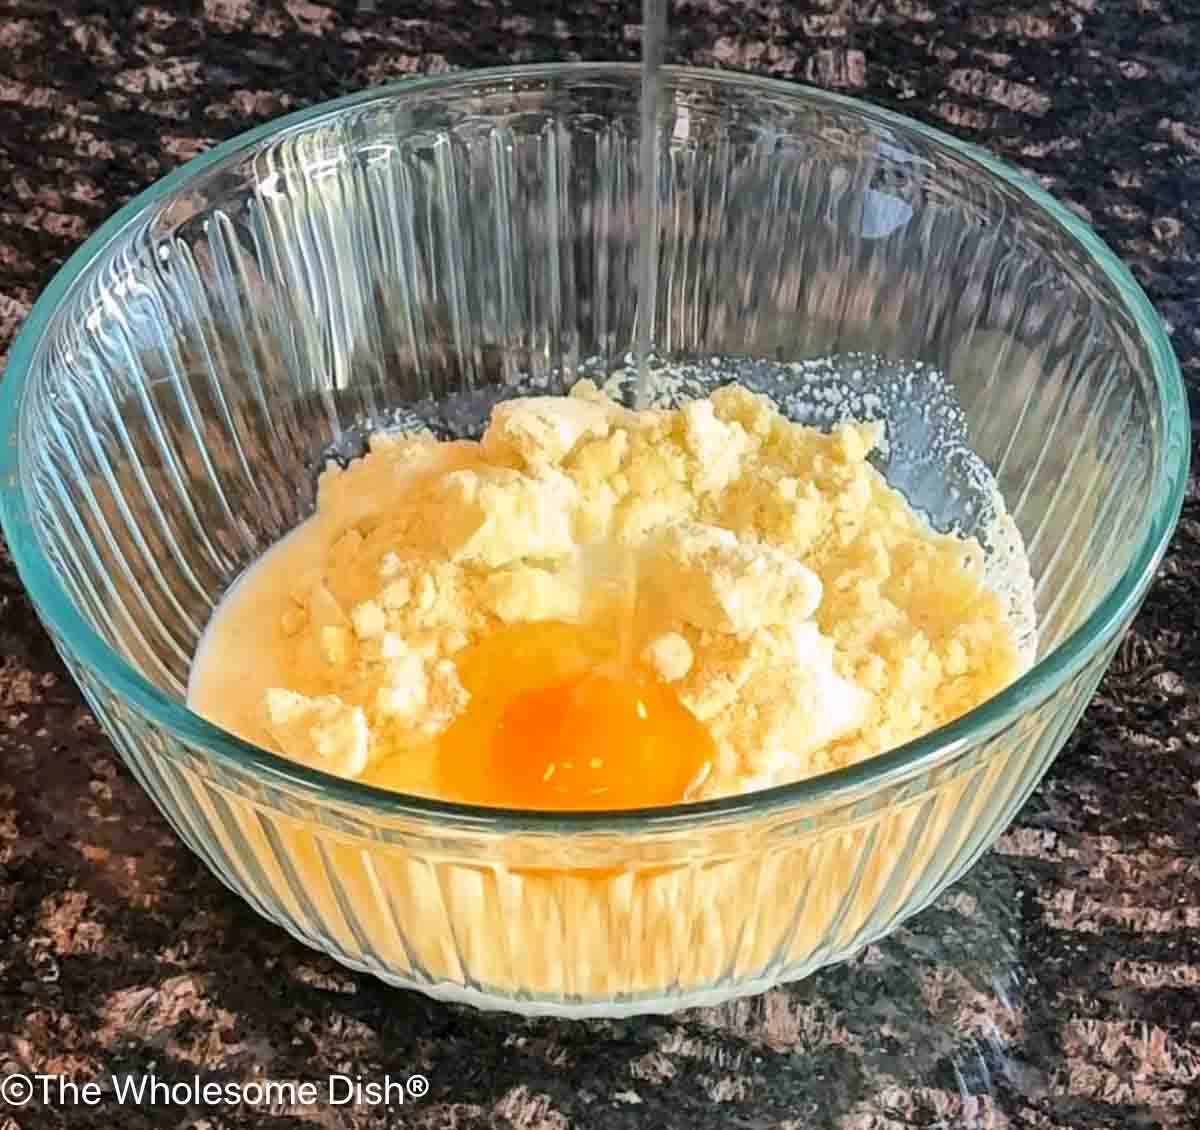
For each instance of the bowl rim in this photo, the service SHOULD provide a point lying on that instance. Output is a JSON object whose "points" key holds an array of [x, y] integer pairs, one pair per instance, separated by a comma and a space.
{"points": [[59, 614]]}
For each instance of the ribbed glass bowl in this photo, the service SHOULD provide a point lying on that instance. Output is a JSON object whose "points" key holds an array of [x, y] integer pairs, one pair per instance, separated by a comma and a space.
{"points": [[423, 250]]}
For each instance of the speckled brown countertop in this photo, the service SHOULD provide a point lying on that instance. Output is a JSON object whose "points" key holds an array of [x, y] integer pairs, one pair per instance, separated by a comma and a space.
{"points": [[1057, 987]]}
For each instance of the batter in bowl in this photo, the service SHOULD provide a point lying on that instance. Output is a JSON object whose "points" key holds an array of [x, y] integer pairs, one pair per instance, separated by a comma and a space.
{"points": [[593, 607]]}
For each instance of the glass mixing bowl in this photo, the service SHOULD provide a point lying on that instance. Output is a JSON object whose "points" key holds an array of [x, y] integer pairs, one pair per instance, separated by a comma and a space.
{"points": [[420, 251]]}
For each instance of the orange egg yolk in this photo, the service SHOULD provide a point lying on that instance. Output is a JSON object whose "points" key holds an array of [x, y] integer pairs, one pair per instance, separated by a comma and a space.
{"points": [[558, 722]]}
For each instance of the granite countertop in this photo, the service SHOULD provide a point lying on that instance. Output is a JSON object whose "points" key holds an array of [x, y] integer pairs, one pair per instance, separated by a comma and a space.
{"points": [[1057, 987]]}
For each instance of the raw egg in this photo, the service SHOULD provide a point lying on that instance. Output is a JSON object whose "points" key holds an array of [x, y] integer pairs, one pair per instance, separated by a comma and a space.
{"points": [[557, 721]]}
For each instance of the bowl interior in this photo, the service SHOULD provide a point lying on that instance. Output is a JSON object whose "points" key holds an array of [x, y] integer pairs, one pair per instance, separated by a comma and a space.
{"points": [[424, 252]]}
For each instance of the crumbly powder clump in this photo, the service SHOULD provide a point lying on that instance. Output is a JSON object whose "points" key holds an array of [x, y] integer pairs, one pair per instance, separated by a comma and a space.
{"points": [[794, 601]]}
